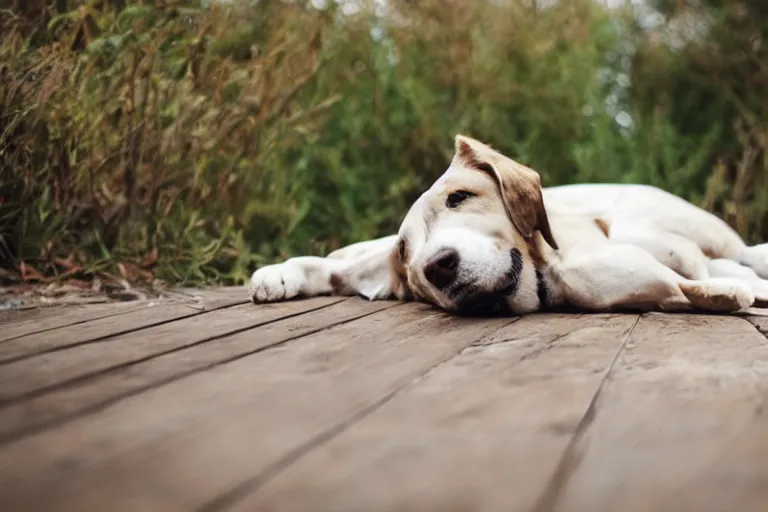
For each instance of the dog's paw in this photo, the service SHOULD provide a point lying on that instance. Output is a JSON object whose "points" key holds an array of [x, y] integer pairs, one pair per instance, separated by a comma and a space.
{"points": [[274, 283], [718, 294]]}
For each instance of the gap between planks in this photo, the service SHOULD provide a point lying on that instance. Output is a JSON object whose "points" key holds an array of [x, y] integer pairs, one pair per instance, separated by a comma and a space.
{"points": [[45, 319], [127, 370], [102, 328], [144, 452], [679, 425], [235, 495], [49, 318], [34, 376], [481, 431], [281, 477], [569, 460]]}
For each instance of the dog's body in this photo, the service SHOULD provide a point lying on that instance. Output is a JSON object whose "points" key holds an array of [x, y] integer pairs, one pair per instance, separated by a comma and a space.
{"points": [[485, 238]]}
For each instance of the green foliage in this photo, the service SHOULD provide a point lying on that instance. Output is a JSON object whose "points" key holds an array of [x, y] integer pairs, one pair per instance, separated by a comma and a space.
{"points": [[199, 141]]}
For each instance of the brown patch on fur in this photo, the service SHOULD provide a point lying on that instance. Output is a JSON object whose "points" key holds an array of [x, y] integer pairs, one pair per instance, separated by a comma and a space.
{"points": [[402, 250], [604, 226], [520, 187], [465, 152], [338, 284], [536, 253], [400, 286]]}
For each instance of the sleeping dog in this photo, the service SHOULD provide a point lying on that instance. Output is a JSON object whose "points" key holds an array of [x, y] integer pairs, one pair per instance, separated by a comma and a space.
{"points": [[486, 239]]}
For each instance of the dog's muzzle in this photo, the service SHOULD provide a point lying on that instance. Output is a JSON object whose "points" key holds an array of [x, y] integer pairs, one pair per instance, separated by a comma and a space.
{"points": [[472, 300]]}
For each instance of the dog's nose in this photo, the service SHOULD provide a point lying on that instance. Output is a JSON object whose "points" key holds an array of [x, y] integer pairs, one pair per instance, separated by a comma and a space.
{"points": [[441, 269]]}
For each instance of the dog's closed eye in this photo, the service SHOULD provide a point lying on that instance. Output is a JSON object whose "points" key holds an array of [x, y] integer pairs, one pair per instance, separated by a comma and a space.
{"points": [[454, 199]]}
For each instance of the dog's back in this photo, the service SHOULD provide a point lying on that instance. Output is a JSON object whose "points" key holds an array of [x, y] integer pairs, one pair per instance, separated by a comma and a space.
{"points": [[625, 209]]}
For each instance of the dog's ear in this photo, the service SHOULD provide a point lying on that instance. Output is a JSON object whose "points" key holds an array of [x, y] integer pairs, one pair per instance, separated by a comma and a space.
{"points": [[520, 186]]}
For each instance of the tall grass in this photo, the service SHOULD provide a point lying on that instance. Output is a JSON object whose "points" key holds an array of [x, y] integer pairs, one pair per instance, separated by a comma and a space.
{"points": [[169, 140]]}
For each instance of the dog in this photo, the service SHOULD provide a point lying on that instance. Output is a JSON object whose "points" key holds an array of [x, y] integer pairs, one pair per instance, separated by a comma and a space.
{"points": [[486, 238]]}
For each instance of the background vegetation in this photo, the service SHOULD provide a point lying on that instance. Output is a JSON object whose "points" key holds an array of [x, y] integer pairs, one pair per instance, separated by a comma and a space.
{"points": [[191, 142]]}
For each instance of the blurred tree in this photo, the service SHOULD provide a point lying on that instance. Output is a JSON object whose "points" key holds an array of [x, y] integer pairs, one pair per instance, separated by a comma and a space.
{"points": [[193, 141]]}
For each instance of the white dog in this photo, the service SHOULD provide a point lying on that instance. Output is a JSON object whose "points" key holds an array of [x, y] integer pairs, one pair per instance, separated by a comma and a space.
{"points": [[486, 238]]}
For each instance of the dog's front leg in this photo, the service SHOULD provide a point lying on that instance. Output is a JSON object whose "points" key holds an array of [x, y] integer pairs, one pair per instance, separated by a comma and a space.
{"points": [[368, 272], [303, 276]]}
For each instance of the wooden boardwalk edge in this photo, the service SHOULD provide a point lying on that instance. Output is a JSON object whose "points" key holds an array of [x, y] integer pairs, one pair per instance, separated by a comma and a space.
{"points": [[45, 319], [40, 320], [82, 331]]}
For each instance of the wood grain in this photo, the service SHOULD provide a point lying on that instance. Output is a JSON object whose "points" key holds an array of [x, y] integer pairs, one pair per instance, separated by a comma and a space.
{"points": [[482, 432], [75, 398], [760, 323], [149, 314], [35, 375], [680, 425], [35, 320], [179, 446], [42, 319], [336, 404]]}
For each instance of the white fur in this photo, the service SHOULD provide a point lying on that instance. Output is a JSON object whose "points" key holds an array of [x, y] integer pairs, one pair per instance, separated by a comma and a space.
{"points": [[660, 252], [297, 276], [361, 268]]}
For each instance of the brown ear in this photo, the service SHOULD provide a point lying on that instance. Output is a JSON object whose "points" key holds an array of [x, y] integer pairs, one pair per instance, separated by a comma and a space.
{"points": [[520, 186]]}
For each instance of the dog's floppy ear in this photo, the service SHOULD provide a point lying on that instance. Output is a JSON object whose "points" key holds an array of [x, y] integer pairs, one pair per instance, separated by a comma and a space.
{"points": [[520, 186]]}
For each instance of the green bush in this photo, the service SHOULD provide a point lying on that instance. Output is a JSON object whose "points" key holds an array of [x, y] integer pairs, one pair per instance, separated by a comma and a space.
{"points": [[189, 143]]}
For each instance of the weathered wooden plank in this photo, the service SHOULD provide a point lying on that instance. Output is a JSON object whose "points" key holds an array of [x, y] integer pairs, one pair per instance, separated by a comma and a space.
{"points": [[63, 402], [180, 445], [680, 425], [32, 376], [15, 314], [42, 319], [148, 315], [32, 313], [215, 298], [38, 320], [760, 323], [482, 432]]}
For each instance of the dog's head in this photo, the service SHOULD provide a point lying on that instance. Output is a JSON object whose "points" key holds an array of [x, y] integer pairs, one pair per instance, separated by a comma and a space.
{"points": [[467, 244]]}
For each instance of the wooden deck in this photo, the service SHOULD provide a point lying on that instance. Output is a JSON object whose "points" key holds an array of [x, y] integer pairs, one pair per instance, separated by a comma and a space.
{"points": [[344, 405]]}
